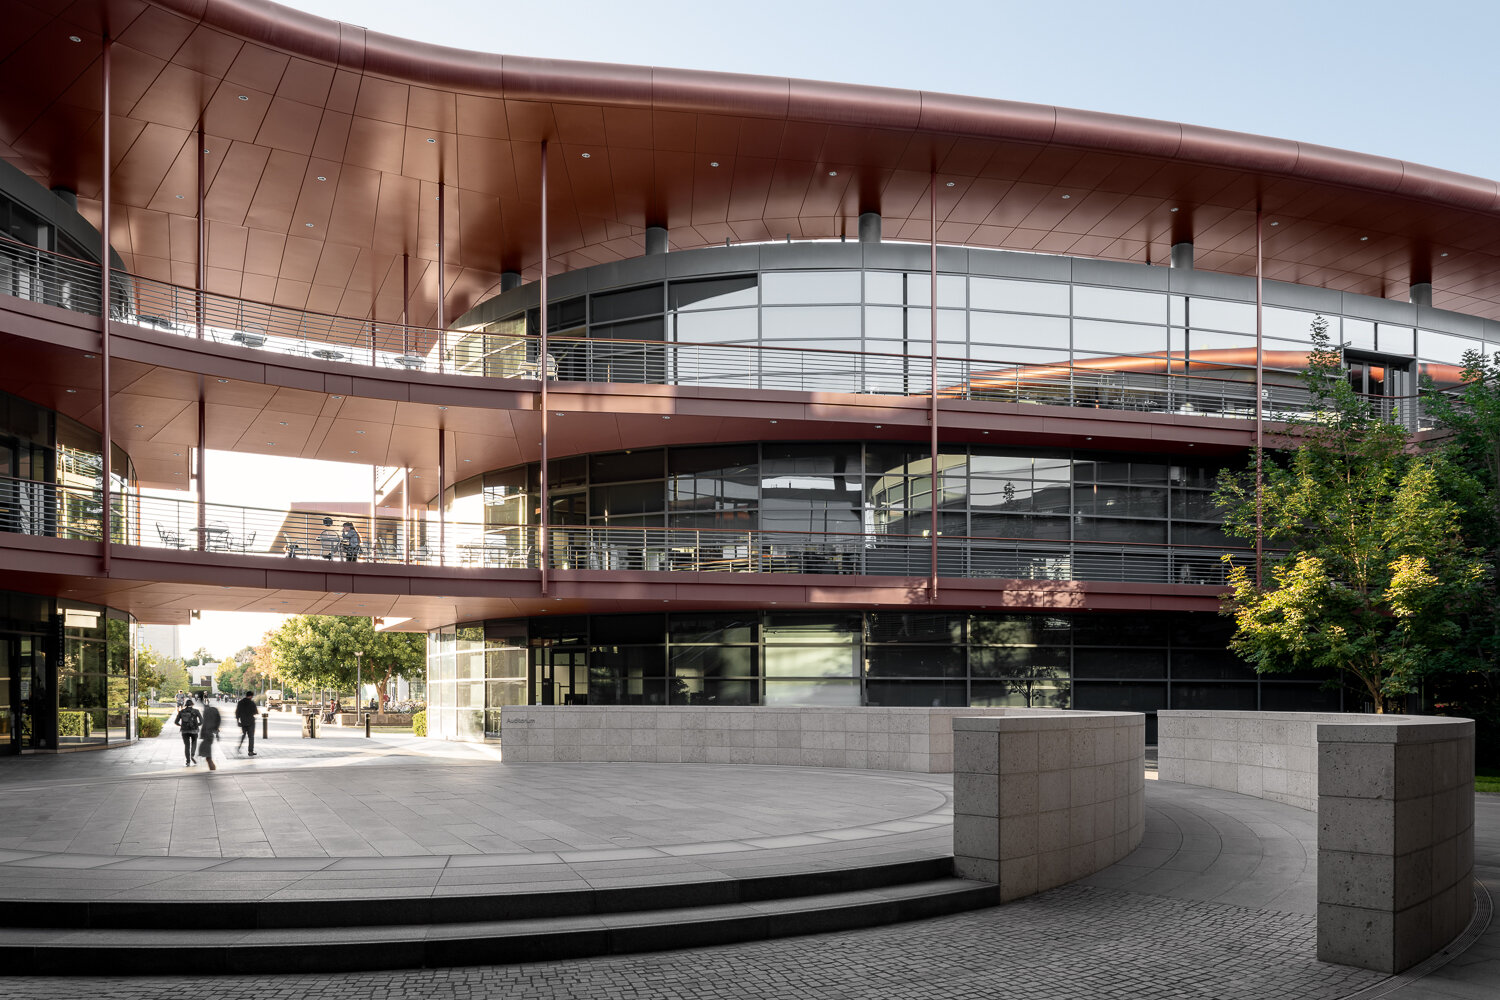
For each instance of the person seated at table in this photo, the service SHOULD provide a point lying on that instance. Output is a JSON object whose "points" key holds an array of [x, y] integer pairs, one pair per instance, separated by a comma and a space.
{"points": [[349, 537]]}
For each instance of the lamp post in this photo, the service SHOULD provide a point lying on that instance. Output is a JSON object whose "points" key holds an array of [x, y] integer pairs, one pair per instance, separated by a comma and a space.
{"points": [[359, 698]]}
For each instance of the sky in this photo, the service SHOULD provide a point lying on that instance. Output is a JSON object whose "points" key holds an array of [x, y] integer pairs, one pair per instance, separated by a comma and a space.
{"points": [[1411, 81]]}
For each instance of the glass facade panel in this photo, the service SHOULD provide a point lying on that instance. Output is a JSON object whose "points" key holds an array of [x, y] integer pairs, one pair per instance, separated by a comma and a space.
{"points": [[1009, 295], [796, 287], [1119, 304]]}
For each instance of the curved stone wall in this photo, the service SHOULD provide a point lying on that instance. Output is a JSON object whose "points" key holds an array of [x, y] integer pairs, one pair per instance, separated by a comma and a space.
{"points": [[1394, 796], [1042, 798]]}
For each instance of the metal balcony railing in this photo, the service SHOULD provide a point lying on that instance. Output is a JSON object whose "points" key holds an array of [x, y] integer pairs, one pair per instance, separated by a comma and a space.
{"points": [[40, 276], [69, 512]]}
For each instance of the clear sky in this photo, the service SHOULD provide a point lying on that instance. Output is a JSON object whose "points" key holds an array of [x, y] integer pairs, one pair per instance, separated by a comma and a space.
{"points": [[1413, 81]]}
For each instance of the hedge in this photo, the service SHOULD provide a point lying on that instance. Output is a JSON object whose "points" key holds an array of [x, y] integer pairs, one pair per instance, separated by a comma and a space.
{"points": [[74, 724], [419, 724], [149, 726]]}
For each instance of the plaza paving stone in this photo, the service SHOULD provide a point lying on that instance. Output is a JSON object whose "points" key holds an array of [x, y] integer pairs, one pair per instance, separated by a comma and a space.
{"points": [[1219, 901]]}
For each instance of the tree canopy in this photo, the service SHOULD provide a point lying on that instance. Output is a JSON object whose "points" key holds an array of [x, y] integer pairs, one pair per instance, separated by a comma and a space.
{"points": [[1368, 570], [317, 651]]}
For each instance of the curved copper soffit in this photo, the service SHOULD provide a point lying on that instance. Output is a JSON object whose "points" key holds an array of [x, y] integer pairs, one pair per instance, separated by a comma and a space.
{"points": [[526, 78]]}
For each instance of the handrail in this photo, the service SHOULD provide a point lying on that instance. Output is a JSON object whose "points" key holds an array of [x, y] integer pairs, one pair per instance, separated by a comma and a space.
{"points": [[71, 512], [325, 336]]}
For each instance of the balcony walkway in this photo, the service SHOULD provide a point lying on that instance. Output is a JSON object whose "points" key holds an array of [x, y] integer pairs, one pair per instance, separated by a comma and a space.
{"points": [[1219, 900]]}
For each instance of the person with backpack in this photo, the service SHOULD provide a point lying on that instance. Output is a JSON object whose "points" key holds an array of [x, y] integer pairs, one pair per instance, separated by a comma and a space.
{"points": [[209, 733], [189, 719], [244, 714]]}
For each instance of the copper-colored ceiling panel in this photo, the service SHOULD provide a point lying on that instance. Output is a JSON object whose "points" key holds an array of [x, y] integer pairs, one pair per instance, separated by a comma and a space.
{"points": [[305, 81], [383, 100], [241, 167], [375, 144], [481, 116], [290, 125], [236, 111], [276, 194], [258, 67], [332, 136]]}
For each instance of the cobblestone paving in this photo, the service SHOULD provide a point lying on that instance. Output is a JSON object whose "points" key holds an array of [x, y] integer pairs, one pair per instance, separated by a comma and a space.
{"points": [[1077, 941]]}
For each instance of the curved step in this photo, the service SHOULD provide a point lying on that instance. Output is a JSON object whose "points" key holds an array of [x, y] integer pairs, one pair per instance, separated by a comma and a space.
{"points": [[348, 948], [440, 909]]}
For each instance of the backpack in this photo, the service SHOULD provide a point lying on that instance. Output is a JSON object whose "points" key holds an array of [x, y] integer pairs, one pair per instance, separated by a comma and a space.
{"points": [[189, 719]]}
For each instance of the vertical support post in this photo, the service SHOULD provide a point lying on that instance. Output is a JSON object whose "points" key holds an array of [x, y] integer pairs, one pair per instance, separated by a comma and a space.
{"points": [[442, 497], [202, 289], [442, 317], [932, 583], [106, 437], [1260, 371], [406, 515], [202, 466], [405, 300], [374, 524], [543, 374]]}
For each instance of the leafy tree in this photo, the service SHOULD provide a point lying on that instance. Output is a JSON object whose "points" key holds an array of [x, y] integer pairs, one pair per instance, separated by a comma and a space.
{"points": [[150, 670], [317, 651], [230, 677], [1369, 564]]}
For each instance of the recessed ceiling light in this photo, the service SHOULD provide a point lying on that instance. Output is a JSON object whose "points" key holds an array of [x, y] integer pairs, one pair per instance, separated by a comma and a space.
{"points": [[666, 418], [440, 407], [309, 225], [223, 381], [74, 38], [950, 183], [354, 453], [359, 432], [338, 397], [322, 178], [1066, 197], [713, 163], [775, 421], [282, 422], [1442, 255], [179, 197], [1275, 223], [468, 460], [72, 390], [431, 139], [1362, 239], [91, 356], [176, 473], [176, 454], [833, 173], [244, 97], [1174, 209], [139, 426], [270, 442]]}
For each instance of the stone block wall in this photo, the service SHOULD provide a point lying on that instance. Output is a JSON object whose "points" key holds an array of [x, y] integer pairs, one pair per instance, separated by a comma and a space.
{"points": [[1395, 839], [1043, 797], [888, 739], [1270, 755]]}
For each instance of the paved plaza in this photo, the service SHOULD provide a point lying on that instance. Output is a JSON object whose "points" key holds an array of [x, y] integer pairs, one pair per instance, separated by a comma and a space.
{"points": [[1219, 900]]}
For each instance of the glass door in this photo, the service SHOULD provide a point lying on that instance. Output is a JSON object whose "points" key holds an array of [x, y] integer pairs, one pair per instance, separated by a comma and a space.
{"points": [[561, 676], [10, 721]]}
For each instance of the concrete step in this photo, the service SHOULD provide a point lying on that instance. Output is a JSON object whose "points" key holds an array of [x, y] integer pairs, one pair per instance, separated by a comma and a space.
{"points": [[346, 948], [450, 909]]}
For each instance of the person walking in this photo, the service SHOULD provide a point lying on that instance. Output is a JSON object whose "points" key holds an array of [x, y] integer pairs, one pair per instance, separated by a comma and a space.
{"points": [[189, 719], [209, 733], [244, 714]]}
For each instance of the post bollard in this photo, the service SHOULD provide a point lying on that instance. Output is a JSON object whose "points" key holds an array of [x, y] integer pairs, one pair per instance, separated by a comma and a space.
{"points": [[265, 726], [367, 727]]}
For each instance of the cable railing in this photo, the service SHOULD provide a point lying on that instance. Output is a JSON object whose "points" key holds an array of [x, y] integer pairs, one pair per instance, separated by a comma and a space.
{"points": [[42, 276], [154, 522]]}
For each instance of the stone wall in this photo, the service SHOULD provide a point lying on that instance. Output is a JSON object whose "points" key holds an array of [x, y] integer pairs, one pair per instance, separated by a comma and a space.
{"points": [[1395, 839], [887, 739], [1394, 796], [1044, 797]]}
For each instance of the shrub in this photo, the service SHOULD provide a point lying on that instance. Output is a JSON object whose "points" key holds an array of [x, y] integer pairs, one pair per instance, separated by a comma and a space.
{"points": [[74, 724], [149, 726], [419, 724]]}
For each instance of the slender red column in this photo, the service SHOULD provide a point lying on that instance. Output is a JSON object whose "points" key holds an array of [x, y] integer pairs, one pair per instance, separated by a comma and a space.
{"points": [[202, 464], [405, 298], [932, 583], [199, 311], [442, 497], [202, 234], [542, 373], [1260, 371], [106, 437]]}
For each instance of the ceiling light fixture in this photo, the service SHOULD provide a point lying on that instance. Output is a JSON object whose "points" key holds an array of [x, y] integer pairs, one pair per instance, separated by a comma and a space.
{"points": [[74, 38], [1174, 209], [244, 97], [713, 163], [833, 173], [282, 422], [309, 225], [950, 183], [359, 432], [431, 139], [223, 381], [322, 178], [72, 390], [586, 155], [179, 197], [1363, 239], [354, 453], [139, 426], [1066, 197], [1442, 255], [91, 356], [338, 397], [440, 407], [1275, 223]]}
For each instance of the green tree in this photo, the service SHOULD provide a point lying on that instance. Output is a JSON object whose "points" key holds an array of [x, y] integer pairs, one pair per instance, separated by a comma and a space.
{"points": [[317, 651], [150, 670], [230, 677], [1368, 565]]}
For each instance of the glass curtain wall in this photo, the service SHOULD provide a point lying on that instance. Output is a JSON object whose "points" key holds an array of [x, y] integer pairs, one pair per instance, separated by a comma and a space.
{"points": [[1143, 662], [69, 674]]}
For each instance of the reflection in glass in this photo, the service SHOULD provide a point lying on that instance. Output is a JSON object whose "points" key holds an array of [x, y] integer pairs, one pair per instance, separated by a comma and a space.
{"points": [[795, 287], [1010, 295]]}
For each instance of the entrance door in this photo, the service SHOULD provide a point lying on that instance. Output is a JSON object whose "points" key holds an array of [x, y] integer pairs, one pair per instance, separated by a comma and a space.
{"points": [[1385, 383], [10, 719], [561, 676]]}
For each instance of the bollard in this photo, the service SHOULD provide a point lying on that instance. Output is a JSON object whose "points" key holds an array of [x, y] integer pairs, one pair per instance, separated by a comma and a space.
{"points": [[265, 726], [367, 727]]}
